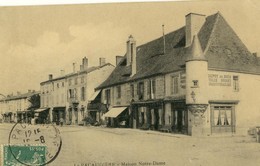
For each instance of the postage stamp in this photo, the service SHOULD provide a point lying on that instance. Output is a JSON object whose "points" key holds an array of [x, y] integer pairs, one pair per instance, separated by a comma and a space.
{"points": [[27, 136], [23, 155]]}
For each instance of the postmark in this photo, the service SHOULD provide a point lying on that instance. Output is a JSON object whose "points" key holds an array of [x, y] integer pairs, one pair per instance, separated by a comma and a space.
{"points": [[23, 155], [28, 135]]}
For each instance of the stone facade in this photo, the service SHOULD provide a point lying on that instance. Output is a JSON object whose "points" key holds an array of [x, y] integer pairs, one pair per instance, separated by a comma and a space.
{"points": [[68, 96], [202, 86]]}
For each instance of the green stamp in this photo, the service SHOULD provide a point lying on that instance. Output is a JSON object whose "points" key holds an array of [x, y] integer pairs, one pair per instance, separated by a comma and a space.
{"points": [[24, 155]]}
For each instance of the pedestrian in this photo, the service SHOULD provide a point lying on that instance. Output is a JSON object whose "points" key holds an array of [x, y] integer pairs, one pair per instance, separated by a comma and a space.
{"points": [[61, 121]]}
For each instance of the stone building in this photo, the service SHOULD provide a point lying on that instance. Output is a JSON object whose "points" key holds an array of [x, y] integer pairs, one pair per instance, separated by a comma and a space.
{"points": [[198, 80], [19, 107], [67, 96]]}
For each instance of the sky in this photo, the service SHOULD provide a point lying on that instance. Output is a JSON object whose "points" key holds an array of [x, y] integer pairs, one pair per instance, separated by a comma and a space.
{"points": [[44, 39]]}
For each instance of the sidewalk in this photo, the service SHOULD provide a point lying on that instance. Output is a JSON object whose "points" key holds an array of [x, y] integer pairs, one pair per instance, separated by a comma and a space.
{"points": [[122, 131], [125, 131]]}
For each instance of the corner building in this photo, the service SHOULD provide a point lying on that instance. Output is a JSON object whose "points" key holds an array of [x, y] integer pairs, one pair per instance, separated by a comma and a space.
{"points": [[198, 80]]}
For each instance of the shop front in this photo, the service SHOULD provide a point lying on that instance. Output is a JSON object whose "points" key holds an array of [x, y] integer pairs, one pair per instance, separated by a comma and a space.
{"points": [[117, 117], [74, 112], [41, 116], [57, 114], [24, 116], [223, 117], [147, 115], [180, 117], [7, 117]]}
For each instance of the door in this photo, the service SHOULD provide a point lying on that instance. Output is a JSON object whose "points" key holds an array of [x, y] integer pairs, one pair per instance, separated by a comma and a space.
{"points": [[179, 120], [156, 119]]}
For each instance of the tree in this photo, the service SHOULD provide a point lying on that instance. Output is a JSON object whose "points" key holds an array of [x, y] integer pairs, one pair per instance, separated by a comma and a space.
{"points": [[35, 102]]}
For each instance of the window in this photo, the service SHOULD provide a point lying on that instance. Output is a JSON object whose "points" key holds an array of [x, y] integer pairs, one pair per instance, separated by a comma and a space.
{"points": [[174, 84], [62, 84], [47, 101], [82, 80], [222, 115], [107, 97], [76, 81], [70, 81], [140, 91], [75, 94], [118, 89], [82, 93], [132, 89], [62, 98], [151, 88], [57, 99], [71, 93], [235, 83], [58, 85]]}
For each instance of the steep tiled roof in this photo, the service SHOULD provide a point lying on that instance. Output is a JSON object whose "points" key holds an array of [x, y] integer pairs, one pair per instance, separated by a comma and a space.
{"points": [[227, 52], [222, 48]]}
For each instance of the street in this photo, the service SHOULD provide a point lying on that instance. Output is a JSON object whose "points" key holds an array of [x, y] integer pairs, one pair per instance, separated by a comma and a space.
{"points": [[114, 146]]}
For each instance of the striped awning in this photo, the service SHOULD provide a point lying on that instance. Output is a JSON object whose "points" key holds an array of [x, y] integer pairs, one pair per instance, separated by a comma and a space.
{"points": [[94, 95], [41, 109], [114, 112]]}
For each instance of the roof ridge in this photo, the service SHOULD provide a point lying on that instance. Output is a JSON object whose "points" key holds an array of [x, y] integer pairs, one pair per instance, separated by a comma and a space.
{"points": [[161, 36]]}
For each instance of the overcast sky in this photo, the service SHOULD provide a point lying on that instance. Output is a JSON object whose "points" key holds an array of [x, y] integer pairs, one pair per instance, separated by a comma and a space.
{"points": [[38, 40]]}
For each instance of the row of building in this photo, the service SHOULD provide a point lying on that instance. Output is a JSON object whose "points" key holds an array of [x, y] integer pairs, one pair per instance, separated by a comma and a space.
{"points": [[198, 80]]}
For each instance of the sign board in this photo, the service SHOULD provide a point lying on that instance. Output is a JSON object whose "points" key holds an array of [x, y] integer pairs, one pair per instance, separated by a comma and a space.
{"points": [[219, 80]]}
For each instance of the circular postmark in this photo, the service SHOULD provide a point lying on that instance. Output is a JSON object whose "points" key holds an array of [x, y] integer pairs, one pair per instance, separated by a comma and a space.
{"points": [[34, 144]]}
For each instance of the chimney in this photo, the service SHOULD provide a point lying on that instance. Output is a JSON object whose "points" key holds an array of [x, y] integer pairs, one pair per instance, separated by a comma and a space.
{"points": [[131, 54], [255, 54], [50, 76], [81, 67], [194, 22], [62, 72], [130, 50], [84, 63], [118, 59], [29, 91], [74, 67], [102, 61]]}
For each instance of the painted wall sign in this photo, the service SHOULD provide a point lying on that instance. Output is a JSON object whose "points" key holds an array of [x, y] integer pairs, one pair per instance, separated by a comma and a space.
{"points": [[183, 80], [219, 80]]}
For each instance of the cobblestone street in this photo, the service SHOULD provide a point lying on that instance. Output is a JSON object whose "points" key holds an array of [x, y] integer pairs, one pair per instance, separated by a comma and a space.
{"points": [[88, 145]]}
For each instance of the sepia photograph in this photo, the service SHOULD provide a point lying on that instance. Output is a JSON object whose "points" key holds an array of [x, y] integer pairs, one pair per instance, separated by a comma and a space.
{"points": [[121, 83]]}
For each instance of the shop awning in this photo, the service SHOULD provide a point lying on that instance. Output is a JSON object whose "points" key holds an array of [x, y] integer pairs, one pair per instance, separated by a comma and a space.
{"points": [[93, 110], [40, 109], [114, 112], [94, 95], [59, 108], [21, 112]]}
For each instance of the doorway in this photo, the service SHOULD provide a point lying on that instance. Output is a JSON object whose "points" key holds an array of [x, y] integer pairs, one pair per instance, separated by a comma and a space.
{"points": [[180, 118]]}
